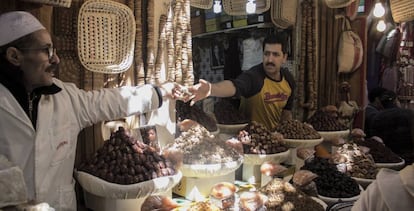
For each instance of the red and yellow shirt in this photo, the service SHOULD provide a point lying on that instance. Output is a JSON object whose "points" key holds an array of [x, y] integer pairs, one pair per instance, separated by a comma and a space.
{"points": [[262, 98]]}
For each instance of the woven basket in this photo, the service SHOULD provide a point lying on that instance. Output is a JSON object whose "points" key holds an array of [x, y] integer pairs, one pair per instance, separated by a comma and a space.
{"points": [[58, 3], [402, 10], [238, 7], [202, 4], [106, 36], [283, 12], [338, 3]]}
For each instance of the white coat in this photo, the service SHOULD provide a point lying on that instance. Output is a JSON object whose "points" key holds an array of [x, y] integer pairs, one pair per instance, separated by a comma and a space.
{"points": [[391, 191], [46, 155]]}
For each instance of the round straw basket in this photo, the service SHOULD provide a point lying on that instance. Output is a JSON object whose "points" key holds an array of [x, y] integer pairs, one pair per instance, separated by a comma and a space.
{"points": [[106, 36], [402, 10]]}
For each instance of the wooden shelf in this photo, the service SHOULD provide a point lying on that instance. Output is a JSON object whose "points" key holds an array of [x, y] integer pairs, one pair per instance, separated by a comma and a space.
{"points": [[258, 25]]}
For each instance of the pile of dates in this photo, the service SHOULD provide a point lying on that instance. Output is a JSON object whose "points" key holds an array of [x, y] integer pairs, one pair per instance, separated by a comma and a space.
{"points": [[257, 139], [227, 113], [284, 196], [200, 147], [331, 182], [185, 111], [124, 160], [323, 121], [357, 163], [294, 129], [380, 152]]}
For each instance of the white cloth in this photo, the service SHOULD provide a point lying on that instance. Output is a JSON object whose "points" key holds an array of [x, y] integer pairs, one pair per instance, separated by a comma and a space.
{"points": [[252, 53], [391, 191], [47, 155], [16, 24]]}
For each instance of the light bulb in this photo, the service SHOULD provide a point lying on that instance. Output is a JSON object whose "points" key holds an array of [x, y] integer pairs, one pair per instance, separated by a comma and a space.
{"points": [[217, 7], [379, 10], [381, 26], [250, 7]]}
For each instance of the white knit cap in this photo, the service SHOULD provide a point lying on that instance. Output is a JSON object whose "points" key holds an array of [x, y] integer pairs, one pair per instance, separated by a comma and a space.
{"points": [[16, 24]]}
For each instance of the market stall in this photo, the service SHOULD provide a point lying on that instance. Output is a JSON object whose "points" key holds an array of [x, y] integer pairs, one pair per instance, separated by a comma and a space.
{"points": [[209, 156]]}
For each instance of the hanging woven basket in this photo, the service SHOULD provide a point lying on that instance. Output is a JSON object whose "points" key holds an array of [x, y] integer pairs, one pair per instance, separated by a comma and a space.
{"points": [[402, 10], [283, 12], [202, 4], [238, 7], [106, 36]]}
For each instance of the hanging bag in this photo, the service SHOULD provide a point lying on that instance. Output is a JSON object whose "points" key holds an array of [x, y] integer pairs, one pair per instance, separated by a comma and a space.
{"points": [[350, 51]]}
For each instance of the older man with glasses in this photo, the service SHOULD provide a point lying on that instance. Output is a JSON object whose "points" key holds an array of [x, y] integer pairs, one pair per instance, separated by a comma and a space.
{"points": [[41, 116]]}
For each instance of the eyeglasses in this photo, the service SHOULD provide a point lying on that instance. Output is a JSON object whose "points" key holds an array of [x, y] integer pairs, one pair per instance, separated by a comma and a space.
{"points": [[51, 51]]}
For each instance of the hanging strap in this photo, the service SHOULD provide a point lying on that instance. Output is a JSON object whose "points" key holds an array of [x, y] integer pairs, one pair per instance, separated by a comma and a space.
{"points": [[346, 23]]}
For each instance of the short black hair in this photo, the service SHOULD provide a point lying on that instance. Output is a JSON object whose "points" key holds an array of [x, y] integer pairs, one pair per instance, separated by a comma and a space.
{"points": [[388, 99], [374, 93], [277, 38]]}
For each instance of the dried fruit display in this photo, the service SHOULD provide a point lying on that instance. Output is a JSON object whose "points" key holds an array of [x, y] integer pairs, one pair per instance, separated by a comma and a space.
{"points": [[294, 129], [284, 196], [185, 111], [323, 121], [358, 164], [227, 113], [331, 182], [200, 147], [380, 152], [124, 160], [257, 139]]}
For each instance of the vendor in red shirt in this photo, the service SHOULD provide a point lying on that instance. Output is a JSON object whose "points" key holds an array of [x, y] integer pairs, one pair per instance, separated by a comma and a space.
{"points": [[266, 90]]}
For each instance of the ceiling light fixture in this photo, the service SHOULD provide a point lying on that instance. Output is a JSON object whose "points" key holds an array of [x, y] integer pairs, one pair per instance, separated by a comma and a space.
{"points": [[381, 26], [379, 10]]}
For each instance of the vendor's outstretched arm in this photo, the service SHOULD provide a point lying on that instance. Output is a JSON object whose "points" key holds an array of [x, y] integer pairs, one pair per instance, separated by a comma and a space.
{"points": [[205, 89]]}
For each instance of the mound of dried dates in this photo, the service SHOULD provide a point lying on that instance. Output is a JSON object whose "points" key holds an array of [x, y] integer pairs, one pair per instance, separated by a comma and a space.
{"points": [[331, 182], [323, 121], [227, 113], [257, 139], [185, 111], [124, 160], [200, 147], [294, 129]]}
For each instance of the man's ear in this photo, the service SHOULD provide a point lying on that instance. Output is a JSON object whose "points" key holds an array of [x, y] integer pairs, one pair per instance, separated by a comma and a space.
{"points": [[13, 55]]}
